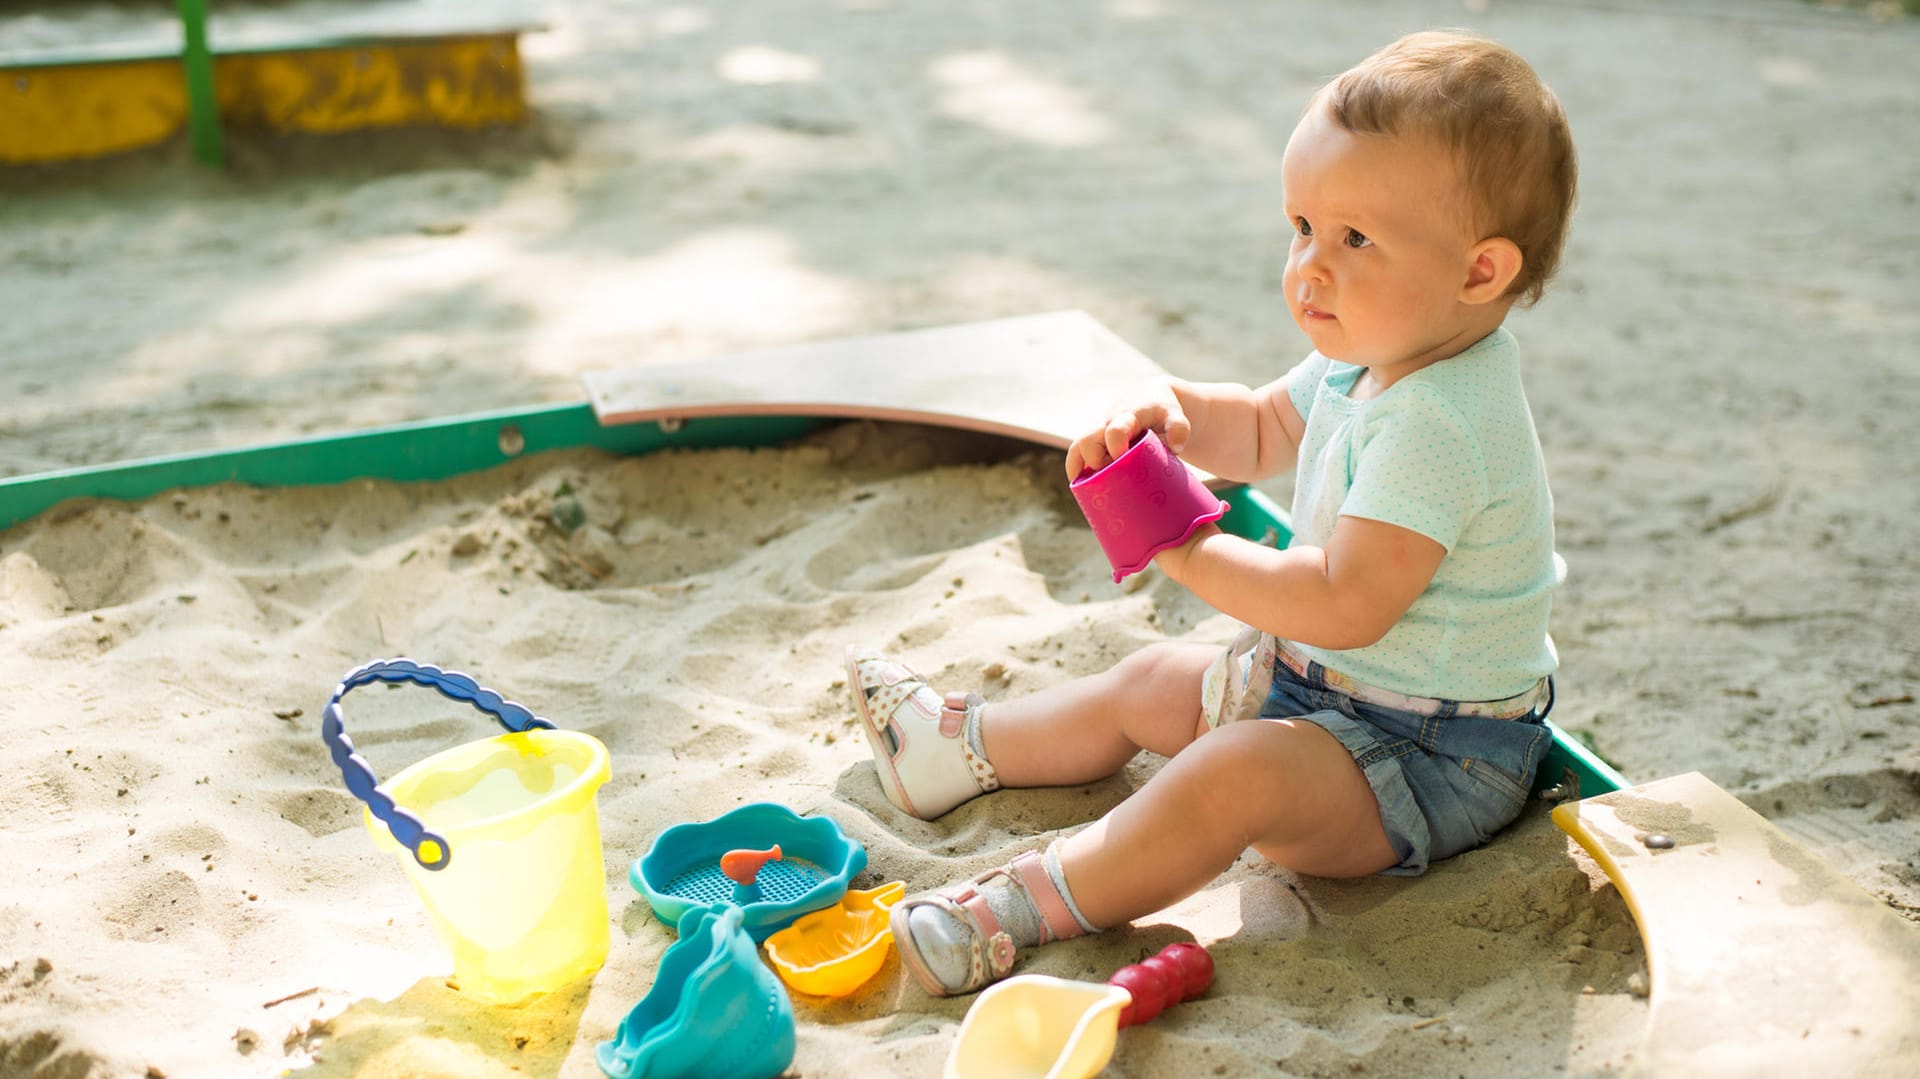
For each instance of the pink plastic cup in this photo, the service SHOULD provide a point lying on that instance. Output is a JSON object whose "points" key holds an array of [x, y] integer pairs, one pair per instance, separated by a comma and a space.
{"points": [[1142, 503]]}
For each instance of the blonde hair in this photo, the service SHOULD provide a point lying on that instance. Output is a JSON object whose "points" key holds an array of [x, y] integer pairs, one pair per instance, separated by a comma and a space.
{"points": [[1489, 109]]}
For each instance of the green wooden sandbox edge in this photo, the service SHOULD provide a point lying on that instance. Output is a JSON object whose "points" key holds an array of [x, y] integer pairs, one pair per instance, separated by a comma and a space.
{"points": [[441, 449], [415, 452]]}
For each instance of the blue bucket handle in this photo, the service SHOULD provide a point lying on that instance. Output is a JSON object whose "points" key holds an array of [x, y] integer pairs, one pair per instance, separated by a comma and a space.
{"points": [[407, 828]]}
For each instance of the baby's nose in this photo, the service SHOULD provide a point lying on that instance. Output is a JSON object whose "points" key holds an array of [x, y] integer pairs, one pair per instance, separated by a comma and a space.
{"points": [[1311, 266]]}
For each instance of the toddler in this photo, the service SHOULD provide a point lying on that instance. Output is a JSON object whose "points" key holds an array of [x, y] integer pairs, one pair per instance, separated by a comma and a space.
{"points": [[1385, 706]]}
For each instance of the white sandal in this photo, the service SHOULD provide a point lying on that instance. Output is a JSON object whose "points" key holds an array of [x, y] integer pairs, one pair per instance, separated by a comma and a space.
{"points": [[990, 950], [918, 739]]}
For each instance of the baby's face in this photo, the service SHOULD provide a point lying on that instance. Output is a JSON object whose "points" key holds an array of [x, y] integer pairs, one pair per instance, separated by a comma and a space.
{"points": [[1382, 245]]}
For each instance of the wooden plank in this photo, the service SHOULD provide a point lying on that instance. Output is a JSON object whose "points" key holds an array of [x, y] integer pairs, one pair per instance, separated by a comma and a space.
{"points": [[428, 451], [63, 113], [459, 82], [1043, 378], [1762, 959]]}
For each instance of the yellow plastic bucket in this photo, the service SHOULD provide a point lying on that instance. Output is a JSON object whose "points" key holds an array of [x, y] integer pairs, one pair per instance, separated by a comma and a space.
{"points": [[501, 838]]}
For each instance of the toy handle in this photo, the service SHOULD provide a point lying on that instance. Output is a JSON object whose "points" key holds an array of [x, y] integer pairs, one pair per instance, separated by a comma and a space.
{"points": [[429, 849]]}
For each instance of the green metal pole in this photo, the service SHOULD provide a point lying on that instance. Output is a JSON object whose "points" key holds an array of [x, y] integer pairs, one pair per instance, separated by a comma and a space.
{"points": [[203, 108]]}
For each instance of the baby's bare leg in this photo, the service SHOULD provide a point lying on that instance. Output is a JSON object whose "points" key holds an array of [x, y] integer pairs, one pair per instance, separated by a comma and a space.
{"points": [[1087, 729], [1285, 787]]}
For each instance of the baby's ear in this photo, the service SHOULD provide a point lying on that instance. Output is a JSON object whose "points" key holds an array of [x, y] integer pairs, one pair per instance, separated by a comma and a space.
{"points": [[1495, 263]]}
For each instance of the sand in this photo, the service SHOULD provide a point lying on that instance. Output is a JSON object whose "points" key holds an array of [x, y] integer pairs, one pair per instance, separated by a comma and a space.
{"points": [[1724, 380]]}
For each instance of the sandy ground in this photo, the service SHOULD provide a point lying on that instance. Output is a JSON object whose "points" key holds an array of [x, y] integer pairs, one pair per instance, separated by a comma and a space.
{"points": [[1724, 377]]}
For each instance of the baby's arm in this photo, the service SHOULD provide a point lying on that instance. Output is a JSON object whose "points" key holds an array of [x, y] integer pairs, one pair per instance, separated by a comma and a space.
{"points": [[1347, 594], [1232, 431]]}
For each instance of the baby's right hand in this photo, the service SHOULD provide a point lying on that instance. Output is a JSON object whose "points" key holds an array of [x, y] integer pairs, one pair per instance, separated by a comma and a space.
{"points": [[1096, 449]]}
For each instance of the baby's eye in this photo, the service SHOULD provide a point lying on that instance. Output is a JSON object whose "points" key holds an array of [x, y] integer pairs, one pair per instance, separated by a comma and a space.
{"points": [[1355, 239], [1303, 227]]}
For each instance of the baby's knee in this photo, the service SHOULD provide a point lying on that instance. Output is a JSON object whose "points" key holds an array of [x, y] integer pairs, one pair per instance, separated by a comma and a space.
{"points": [[1219, 780], [1177, 663]]}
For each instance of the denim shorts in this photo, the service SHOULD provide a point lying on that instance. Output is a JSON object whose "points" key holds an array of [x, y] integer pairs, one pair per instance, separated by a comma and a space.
{"points": [[1446, 781]]}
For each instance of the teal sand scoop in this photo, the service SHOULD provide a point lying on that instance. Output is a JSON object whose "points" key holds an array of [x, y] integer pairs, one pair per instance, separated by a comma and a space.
{"points": [[715, 1010]]}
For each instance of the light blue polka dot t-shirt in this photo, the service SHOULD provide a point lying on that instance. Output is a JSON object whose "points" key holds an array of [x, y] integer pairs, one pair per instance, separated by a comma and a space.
{"points": [[1449, 452]]}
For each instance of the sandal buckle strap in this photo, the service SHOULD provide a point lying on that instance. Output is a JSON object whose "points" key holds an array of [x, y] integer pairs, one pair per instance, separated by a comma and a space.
{"points": [[1056, 919], [953, 715], [957, 712], [993, 950]]}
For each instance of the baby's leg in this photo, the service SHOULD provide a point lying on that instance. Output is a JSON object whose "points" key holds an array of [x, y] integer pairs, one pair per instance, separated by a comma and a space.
{"points": [[933, 755], [1287, 788], [1089, 728]]}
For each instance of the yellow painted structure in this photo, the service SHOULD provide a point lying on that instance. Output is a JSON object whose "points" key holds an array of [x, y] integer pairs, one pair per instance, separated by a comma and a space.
{"points": [[1763, 960], [62, 111], [83, 110]]}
